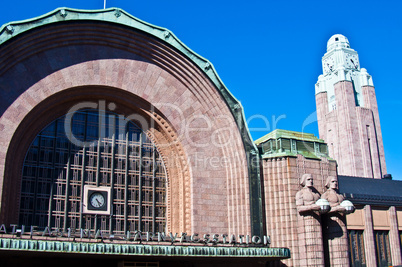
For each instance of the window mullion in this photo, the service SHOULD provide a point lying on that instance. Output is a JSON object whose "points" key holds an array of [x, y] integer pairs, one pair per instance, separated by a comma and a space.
{"points": [[84, 155], [126, 184], [68, 171], [37, 176], [154, 189], [112, 183], [140, 186], [49, 217], [98, 160]]}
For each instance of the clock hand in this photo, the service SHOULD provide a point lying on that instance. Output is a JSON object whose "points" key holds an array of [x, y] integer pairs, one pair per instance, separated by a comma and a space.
{"points": [[353, 63], [98, 202]]}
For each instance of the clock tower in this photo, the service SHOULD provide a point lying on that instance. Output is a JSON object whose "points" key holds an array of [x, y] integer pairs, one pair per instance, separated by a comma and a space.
{"points": [[347, 112]]}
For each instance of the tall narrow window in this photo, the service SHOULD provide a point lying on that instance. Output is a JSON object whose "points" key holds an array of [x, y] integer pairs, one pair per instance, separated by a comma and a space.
{"points": [[382, 248], [369, 148], [356, 247], [97, 149]]}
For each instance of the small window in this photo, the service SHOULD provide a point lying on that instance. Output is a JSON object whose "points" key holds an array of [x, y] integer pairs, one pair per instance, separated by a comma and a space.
{"points": [[304, 146], [285, 145], [336, 39], [324, 149]]}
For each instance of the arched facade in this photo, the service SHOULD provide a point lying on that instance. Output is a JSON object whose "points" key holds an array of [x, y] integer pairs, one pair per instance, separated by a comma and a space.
{"points": [[70, 59], [93, 169]]}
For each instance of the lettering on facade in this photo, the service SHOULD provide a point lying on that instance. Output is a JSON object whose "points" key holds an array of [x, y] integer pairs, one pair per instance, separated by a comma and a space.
{"points": [[138, 236]]}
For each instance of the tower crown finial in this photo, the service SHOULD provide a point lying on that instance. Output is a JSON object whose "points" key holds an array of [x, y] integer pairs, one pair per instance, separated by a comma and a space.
{"points": [[337, 40]]}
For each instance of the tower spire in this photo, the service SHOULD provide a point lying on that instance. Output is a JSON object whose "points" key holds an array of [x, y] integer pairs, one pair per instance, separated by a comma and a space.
{"points": [[347, 112]]}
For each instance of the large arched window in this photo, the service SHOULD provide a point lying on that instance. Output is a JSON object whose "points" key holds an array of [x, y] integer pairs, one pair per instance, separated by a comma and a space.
{"points": [[99, 150]]}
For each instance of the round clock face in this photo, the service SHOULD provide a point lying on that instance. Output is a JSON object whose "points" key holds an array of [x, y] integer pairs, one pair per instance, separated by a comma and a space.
{"points": [[328, 65], [97, 200], [352, 61]]}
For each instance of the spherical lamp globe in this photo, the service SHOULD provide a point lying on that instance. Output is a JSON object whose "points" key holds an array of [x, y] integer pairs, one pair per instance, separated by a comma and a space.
{"points": [[324, 205], [348, 206]]}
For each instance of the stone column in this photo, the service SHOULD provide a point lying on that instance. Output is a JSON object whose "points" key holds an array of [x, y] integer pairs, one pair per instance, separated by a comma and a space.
{"points": [[368, 235], [311, 250], [335, 236], [394, 242]]}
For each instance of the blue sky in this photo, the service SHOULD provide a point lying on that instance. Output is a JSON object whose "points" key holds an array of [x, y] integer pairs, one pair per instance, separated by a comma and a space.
{"points": [[268, 53]]}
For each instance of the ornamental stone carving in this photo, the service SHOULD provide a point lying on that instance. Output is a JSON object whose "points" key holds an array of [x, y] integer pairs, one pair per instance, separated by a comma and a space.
{"points": [[307, 197], [310, 207], [336, 200]]}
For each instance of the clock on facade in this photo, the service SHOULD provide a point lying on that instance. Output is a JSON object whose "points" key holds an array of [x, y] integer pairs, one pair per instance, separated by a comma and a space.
{"points": [[96, 200], [328, 65], [352, 61]]}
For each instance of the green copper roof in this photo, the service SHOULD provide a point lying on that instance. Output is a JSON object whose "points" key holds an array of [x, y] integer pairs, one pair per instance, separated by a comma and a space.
{"points": [[281, 143], [278, 133], [119, 16]]}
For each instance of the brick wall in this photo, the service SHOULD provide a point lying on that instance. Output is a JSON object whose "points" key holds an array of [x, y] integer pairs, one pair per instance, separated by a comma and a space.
{"points": [[281, 181], [353, 133]]}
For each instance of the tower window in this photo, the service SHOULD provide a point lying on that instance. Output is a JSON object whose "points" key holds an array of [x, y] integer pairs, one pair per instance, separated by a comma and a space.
{"points": [[336, 39]]}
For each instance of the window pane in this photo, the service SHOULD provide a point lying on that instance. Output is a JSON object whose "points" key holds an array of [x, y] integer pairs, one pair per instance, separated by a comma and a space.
{"points": [[117, 154]]}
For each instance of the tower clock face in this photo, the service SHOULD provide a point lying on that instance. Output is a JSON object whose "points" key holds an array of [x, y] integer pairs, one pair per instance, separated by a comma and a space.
{"points": [[352, 61], [328, 65]]}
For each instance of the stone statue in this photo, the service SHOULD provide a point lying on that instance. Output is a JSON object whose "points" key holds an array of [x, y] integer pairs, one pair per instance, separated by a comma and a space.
{"points": [[307, 196], [309, 227], [332, 195], [334, 224]]}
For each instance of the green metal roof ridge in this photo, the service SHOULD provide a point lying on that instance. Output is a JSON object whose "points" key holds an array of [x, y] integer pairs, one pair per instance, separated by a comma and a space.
{"points": [[279, 133], [293, 154], [119, 16]]}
